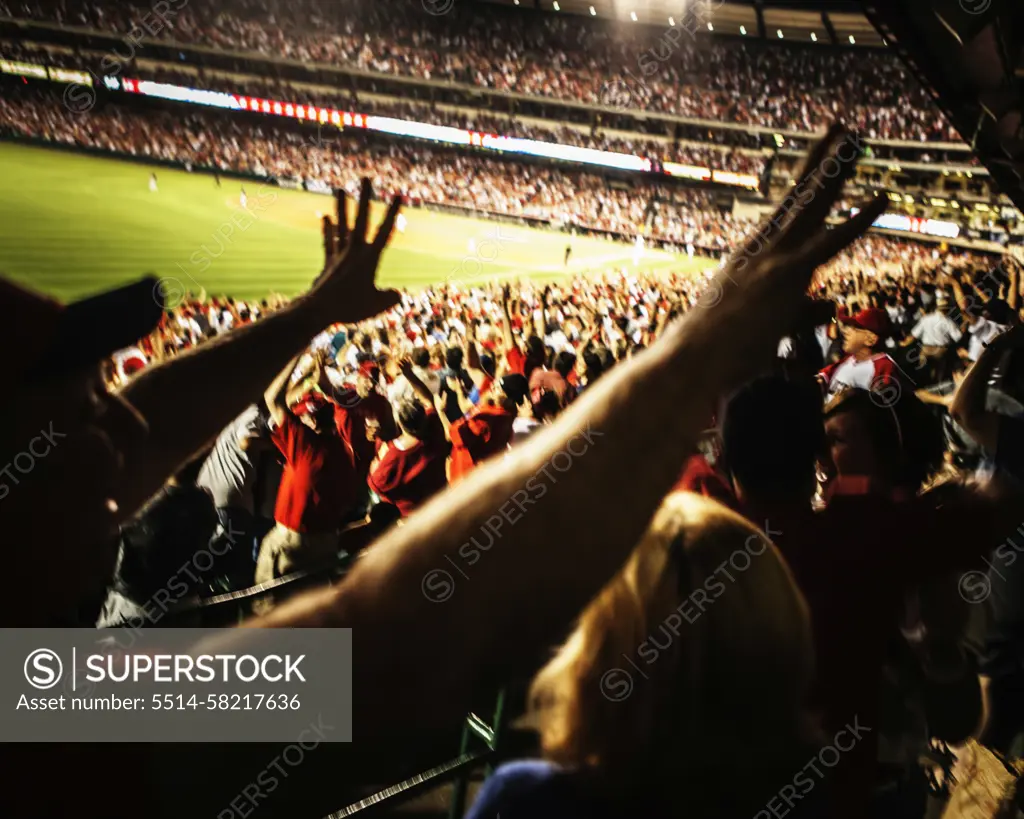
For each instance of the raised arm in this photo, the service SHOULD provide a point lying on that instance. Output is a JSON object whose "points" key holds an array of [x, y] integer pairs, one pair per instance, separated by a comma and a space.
{"points": [[234, 368], [968, 407], [506, 320], [429, 604], [1013, 292], [961, 299], [472, 353], [540, 317], [436, 617], [422, 391], [275, 395]]}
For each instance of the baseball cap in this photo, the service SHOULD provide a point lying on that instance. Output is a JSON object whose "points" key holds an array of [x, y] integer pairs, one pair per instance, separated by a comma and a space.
{"points": [[46, 338], [874, 319], [310, 403]]}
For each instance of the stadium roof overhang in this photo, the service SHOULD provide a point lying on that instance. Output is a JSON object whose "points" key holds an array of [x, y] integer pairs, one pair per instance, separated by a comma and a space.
{"points": [[841, 22], [970, 53]]}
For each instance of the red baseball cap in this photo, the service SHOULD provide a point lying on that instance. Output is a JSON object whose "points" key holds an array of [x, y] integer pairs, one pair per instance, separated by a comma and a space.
{"points": [[311, 402], [43, 337], [874, 320]]}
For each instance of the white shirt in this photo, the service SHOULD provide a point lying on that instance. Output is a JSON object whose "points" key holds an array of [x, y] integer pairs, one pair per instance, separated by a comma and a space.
{"points": [[402, 390], [936, 330], [982, 332], [558, 341], [523, 428], [866, 375]]}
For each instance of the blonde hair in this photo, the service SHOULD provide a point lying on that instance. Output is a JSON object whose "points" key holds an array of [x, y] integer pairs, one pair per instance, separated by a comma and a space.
{"points": [[673, 660]]}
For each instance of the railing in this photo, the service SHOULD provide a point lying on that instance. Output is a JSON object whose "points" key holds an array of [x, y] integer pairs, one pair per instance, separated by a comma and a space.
{"points": [[480, 737]]}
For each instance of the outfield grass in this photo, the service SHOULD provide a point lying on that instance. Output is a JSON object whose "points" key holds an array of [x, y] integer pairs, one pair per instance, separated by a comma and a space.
{"points": [[72, 224]]}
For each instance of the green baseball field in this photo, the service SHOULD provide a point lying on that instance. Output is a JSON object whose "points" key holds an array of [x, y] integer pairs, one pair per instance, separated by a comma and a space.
{"points": [[72, 224]]}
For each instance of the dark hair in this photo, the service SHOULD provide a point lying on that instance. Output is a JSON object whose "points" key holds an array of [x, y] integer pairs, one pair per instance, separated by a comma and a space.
{"points": [[547, 406], [907, 437], [564, 363], [535, 348], [421, 357], [453, 358], [593, 365], [163, 537], [412, 415], [324, 417], [384, 514], [772, 432], [515, 387], [487, 363]]}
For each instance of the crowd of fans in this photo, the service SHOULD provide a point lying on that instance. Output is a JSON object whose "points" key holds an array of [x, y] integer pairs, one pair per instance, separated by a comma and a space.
{"points": [[425, 175], [690, 153], [549, 55], [781, 471], [845, 430]]}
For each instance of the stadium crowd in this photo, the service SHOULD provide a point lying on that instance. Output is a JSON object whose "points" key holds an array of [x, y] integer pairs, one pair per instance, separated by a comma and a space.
{"points": [[424, 175], [780, 472], [872, 434], [690, 152], [549, 56]]}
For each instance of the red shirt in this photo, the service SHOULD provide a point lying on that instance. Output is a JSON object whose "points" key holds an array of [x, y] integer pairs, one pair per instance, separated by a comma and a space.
{"points": [[351, 414], [700, 477], [872, 374], [515, 361], [477, 437], [318, 485], [408, 478]]}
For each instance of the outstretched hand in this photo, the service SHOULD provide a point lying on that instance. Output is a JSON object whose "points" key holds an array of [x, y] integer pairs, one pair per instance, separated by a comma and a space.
{"points": [[347, 287], [762, 291]]}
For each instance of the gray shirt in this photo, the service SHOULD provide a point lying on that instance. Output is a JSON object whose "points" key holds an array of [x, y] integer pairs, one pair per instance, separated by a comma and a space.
{"points": [[228, 473]]}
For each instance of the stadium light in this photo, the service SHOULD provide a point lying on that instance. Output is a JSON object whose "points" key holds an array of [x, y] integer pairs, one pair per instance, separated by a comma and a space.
{"points": [[711, 27], [779, 32], [671, 21], [852, 40], [593, 12], [557, 7], [814, 37], [743, 30], [632, 16]]}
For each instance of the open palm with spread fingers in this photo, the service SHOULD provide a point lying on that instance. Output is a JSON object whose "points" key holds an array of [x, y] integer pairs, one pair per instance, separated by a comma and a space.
{"points": [[761, 292], [347, 287]]}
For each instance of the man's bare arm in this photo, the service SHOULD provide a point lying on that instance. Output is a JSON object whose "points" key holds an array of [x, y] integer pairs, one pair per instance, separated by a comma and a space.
{"points": [[275, 396], [428, 604], [233, 369]]}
